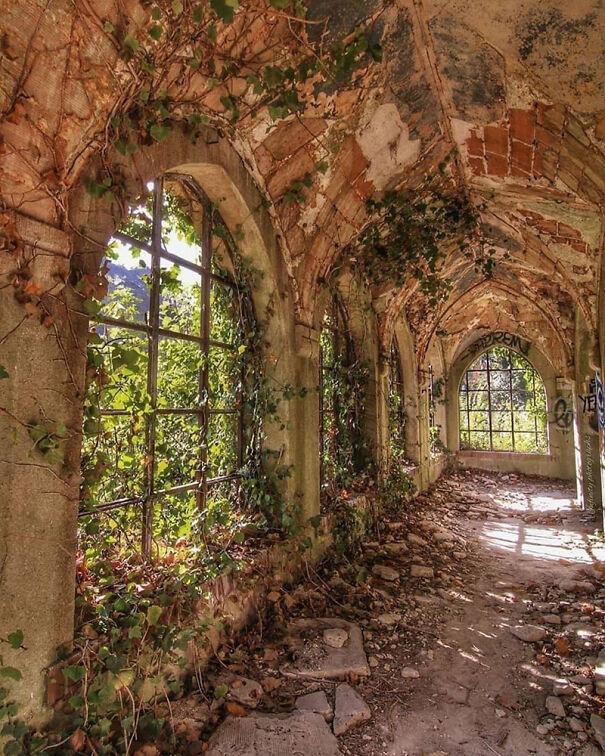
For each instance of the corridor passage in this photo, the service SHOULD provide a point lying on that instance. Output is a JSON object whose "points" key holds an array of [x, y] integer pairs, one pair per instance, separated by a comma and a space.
{"points": [[493, 649]]}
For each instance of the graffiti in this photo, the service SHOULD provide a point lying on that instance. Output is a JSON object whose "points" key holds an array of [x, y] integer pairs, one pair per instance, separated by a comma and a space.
{"points": [[496, 338], [590, 403], [600, 401], [589, 484], [563, 414]]}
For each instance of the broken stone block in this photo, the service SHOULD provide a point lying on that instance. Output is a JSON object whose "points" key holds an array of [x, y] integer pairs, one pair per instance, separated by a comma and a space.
{"points": [[598, 725], [554, 706], [385, 572], [409, 673], [388, 620], [274, 735], [350, 709], [416, 539], [316, 702], [313, 658], [562, 688], [335, 637], [397, 548], [529, 633], [420, 571], [245, 692], [551, 619]]}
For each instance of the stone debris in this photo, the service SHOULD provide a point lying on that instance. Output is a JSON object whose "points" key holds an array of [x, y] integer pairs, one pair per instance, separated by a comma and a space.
{"points": [[316, 702], [388, 620], [420, 571], [301, 732], [350, 710], [335, 637], [554, 706], [529, 633], [598, 725], [385, 572], [396, 548], [409, 673], [416, 539], [313, 658]]}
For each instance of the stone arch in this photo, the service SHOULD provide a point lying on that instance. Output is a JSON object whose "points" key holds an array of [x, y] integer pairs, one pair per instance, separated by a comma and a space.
{"points": [[559, 462]]}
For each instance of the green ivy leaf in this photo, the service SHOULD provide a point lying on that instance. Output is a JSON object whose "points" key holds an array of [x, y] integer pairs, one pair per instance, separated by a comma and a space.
{"points": [[155, 31], [75, 672], [225, 9], [11, 672], [153, 615], [280, 4], [177, 7], [109, 27], [221, 691], [158, 132], [3, 373], [131, 42], [16, 639], [124, 147]]}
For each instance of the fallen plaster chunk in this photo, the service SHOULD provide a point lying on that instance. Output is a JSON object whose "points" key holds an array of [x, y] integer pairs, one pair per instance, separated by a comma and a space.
{"points": [[409, 673], [529, 633], [350, 709], [313, 658], [301, 732], [315, 702], [555, 706]]}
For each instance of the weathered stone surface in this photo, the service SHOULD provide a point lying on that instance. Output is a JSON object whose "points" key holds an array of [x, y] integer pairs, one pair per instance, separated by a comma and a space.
{"points": [[246, 692], [313, 658], [274, 735], [529, 633], [409, 673], [416, 539], [316, 702], [385, 572], [396, 548], [350, 709], [335, 637], [389, 619]]}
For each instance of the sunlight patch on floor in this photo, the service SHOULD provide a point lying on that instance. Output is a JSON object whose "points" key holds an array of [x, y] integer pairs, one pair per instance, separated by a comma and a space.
{"points": [[537, 542]]}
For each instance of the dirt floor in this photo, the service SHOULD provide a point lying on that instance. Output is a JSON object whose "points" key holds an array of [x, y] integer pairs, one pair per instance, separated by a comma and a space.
{"points": [[448, 674]]}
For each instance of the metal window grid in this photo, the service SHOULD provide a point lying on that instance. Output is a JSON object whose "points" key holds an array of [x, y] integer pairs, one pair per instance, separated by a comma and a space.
{"points": [[342, 350], [539, 435], [152, 328], [396, 388]]}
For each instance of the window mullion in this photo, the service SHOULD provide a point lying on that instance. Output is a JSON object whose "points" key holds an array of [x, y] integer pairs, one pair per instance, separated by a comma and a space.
{"points": [[204, 382], [152, 366]]}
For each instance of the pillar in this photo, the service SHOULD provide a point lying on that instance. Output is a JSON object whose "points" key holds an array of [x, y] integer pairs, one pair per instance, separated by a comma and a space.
{"points": [[44, 356]]}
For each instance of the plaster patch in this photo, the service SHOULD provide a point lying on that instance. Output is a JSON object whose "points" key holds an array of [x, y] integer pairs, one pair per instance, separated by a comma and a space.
{"points": [[386, 145]]}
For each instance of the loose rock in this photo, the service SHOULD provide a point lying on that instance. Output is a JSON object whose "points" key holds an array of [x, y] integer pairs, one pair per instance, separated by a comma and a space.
{"points": [[350, 709]]}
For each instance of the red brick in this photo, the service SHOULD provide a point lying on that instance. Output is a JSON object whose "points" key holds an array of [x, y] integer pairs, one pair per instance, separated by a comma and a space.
{"points": [[264, 161], [497, 165], [292, 170], [518, 172], [289, 137], [363, 187], [477, 165], [522, 155], [537, 163], [522, 124], [496, 140], [579, 246], [569, 231], [349, 205], [351, 159], [543, 136], [548, 227], [474, 144]]}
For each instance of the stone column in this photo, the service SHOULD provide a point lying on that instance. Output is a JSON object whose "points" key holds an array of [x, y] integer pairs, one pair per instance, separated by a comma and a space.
{"points": [[590, 489], [305, 433], [42, 348]]}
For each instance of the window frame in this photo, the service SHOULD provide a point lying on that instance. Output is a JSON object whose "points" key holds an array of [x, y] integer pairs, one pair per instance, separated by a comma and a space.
{"points": [[465, 391], [334, 321], [396, 388], [155, 333]]}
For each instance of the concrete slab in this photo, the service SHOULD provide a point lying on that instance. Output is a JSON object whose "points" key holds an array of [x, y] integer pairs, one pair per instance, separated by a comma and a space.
{"points": [[301, 732], [314, 658]]}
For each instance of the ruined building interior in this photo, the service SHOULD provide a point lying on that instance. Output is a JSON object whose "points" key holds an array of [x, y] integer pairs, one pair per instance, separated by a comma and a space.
{"points": [[302, 337]]}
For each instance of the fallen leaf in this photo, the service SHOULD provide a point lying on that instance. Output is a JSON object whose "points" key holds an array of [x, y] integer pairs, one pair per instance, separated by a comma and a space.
{"points": [[271, 683], [236, 710], [562, 646], [77, 740]]}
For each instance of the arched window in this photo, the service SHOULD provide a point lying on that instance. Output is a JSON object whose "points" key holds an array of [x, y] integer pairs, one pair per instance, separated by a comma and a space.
{"points": [[336, 415], [503, 404], [396, 404], [164, 439]]}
